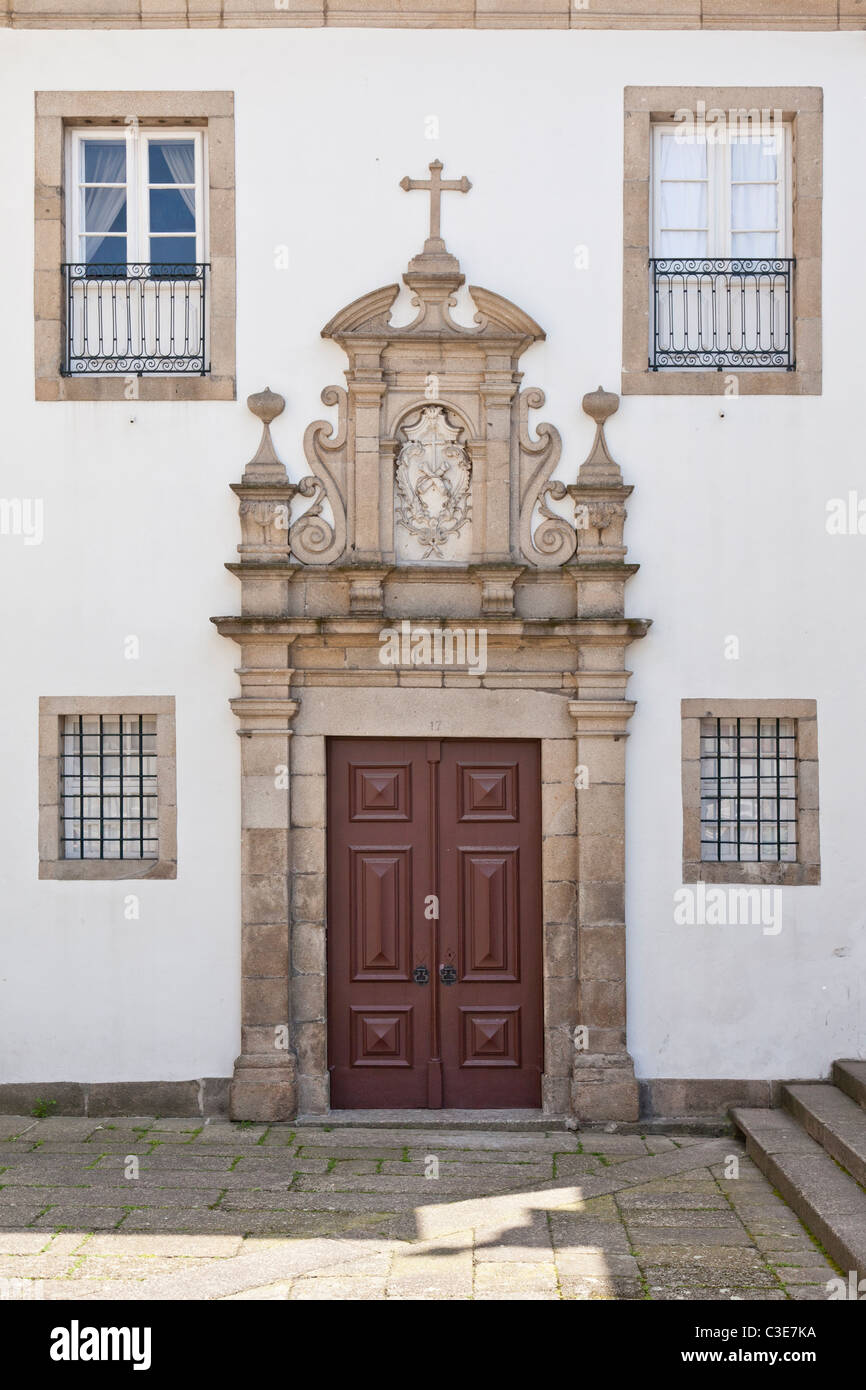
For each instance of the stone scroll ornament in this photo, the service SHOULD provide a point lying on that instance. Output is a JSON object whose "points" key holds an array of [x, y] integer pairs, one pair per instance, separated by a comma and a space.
{"points": [[554, 540], [313, 539], [432, 482]]}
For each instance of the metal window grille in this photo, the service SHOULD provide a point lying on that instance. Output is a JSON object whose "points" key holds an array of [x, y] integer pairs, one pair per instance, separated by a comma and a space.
{"points": [[109, 802], [749, 790]]}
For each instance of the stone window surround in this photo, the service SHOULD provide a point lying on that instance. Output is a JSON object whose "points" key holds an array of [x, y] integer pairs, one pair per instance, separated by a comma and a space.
{"points": [[55, 111], [807, 869], [52, 709], [803, 107]]}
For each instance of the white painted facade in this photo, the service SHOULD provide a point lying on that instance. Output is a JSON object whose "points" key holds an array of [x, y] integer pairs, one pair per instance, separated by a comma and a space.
{"points": [[727, 519]]}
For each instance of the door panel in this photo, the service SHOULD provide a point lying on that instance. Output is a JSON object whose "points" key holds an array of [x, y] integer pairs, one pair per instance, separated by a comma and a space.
{"points": [[490, 923], [410, 818], [378, 852]]}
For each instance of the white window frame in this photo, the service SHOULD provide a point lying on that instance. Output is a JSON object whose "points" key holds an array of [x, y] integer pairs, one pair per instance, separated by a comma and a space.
{"points": [[719, 184], [136, 138]]}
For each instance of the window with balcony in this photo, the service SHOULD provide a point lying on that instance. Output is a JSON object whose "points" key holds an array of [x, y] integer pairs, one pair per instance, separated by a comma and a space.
{"points": [[135, 282], [722, 213], [134, 286], [721, 264]]}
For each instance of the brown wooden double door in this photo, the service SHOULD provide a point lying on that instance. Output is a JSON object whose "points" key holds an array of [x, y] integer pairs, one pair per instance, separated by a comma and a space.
{"points": [[428, 1011]]}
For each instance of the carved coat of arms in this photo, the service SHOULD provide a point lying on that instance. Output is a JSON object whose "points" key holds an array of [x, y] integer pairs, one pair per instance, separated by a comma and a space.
{"points": [[432, 482]]}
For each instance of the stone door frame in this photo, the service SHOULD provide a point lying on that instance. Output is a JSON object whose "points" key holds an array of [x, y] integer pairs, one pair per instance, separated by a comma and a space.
{"points": [[283, 1066]]}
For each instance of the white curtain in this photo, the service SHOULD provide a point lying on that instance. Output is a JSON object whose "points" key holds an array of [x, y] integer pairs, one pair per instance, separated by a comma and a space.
{"points": [[682, 191], [754, 202], [106, 163], [685, 172], [180, 158]]}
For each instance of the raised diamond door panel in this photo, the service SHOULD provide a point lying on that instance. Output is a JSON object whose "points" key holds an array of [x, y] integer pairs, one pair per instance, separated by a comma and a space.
{"points": [[381, 793], [381, 1037], [487, 793], [490, 1037]]}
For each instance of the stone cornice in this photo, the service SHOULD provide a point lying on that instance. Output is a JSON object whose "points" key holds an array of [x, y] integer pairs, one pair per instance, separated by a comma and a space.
{"points": [[807, 15], [507, 629], [577, 569]]}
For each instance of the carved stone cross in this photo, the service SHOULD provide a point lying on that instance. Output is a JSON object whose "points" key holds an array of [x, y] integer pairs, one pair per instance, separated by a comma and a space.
{"points": [[436, 186]]}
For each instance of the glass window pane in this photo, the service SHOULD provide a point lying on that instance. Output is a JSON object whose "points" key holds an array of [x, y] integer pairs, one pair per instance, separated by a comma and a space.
{"points": [[753, 159], [171, 211], [753, 205], [105, 210], [684, 205], [680, 158], [748, 245], [171, 161], [105, 161], [172, 251], [675, 244], [105, 250]]}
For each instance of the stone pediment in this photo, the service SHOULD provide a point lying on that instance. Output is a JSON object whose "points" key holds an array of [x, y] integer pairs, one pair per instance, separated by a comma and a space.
{"points": [[432, 460], [495, 317]]}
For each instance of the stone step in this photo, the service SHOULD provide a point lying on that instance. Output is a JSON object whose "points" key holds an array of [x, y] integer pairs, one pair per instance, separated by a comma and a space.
{"points": [[520, 1121], [832, 1119], [850, 1077], [828, 1202]]}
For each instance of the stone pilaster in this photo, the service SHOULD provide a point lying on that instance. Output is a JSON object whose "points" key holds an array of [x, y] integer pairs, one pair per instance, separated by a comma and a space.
{"points": [[603, 1081], [264, 1086], [603, 1085]]}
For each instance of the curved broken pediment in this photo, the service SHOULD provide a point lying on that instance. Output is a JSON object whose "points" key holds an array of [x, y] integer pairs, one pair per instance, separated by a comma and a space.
{"points": [[496, 314], [369, 314]]}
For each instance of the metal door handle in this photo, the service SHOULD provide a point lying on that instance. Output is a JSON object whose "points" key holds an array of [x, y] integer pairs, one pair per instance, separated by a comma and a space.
{"points": [[421, 975], [447, 974]]}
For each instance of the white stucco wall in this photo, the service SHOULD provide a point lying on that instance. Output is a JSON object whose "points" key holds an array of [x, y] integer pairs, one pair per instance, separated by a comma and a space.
{"points": [[727, 520]]}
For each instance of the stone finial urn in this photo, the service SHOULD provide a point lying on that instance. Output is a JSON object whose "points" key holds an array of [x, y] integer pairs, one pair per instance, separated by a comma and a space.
{"points": [[264, 466], [598, 467]]}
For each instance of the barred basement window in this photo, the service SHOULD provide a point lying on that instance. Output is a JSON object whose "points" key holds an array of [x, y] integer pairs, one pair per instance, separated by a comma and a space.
{"points": [[749, 789], [109, 786]]}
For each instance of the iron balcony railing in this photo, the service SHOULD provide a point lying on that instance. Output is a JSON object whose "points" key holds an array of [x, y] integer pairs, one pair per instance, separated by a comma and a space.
{"points": [[719, 313], [135, 319]]}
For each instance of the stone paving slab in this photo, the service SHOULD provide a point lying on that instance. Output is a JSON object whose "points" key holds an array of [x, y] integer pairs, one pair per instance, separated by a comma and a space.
{"points": [[78, 1218], [313, 1213]]}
